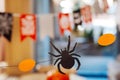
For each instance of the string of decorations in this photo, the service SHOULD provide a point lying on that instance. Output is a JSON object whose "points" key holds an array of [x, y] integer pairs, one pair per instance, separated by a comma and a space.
{"points": [[28, 23]]}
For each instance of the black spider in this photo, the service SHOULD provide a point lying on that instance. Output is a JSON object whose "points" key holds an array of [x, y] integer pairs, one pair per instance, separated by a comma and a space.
{"points": [[66, 57]]}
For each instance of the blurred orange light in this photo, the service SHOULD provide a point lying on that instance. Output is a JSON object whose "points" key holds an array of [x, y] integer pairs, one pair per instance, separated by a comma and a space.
{"points": [[26, 65], [106, 39]]}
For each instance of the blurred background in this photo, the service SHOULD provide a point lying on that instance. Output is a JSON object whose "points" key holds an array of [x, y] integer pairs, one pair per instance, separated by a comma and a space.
{"points": [[84, 20]]}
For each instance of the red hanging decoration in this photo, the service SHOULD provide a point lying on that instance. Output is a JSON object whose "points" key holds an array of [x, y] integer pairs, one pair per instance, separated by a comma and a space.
{"points": [[105, 4], [28, 26], [64, 22], [86, 14]]}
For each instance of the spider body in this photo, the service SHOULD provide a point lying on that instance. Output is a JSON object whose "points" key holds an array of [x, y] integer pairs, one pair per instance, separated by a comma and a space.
{"points": [[66, 57], [67, 61]]}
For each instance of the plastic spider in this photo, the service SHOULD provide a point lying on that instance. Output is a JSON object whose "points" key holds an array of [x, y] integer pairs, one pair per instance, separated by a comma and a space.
{"points": [[66, 57]]}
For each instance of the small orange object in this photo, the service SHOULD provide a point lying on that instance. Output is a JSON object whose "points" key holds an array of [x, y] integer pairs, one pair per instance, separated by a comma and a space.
{"points": [[55, 75], [26, 65], [106, 39]]}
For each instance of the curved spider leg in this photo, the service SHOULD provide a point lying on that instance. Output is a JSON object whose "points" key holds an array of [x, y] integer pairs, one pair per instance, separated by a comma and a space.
{"points": [[75, 55], [68, 46], [61, 50], [73, 48], [60, 69], [54, 54], [55, 47], [79, 64], [65, 49], [57, 61]]}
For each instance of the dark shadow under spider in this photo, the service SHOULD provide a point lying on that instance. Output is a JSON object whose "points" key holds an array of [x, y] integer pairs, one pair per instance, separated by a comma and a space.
{"points": [[66, 57]]}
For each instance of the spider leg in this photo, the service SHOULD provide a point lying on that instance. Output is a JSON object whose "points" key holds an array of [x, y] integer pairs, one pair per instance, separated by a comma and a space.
{"points": [[79, 64], [61, 50], [54, 54], [68, 46], [75, 55], [55, 47], [60, 69], [73, 48], [57, 61]]}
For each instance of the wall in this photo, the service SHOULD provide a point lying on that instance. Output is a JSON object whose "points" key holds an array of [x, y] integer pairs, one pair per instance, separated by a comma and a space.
{"points": [[15, 51]]}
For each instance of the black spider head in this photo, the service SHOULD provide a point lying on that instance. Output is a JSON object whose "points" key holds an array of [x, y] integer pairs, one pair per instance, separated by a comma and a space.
{"points": [[64, 51], [66, 57]]}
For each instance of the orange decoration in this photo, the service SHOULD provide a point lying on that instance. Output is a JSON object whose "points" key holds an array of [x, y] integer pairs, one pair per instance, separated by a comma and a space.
{"points": [[26, 65], [106, 39], [55, 75]]}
